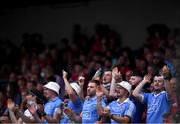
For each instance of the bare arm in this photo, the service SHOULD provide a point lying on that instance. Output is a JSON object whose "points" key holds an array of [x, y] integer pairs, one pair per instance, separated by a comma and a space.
{"points": [[81, 81], [124, 119], [165, 72], [69, 89], [10, 105], [24, 117], [99, 94], [116, 77], [13, 117], [136, 92], [105, 91]]}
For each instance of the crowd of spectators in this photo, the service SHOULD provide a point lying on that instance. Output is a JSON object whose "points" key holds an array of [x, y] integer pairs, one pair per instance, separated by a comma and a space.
{"points": [[30, 67]]}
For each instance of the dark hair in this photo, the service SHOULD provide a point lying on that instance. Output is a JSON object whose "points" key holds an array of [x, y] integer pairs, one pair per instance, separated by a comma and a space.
{"points": [[39, 97], [95, 81]]}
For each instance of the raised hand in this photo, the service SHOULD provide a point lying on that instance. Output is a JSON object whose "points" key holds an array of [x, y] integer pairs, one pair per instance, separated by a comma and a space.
{"points": [[165, 72], [64, 74], [147, 78], [81, 81], [10, 104], [99, 92], [116, 74]]}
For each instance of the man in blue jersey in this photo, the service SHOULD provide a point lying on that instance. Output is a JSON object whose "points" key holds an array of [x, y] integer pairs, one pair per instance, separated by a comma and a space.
{"points": [[89, 112], [157, 102], [121, 110], [74, 103], [48, 115]]}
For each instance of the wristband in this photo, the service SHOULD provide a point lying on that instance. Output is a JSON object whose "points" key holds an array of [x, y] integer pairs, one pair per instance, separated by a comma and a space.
{"points": [[43, 114]]}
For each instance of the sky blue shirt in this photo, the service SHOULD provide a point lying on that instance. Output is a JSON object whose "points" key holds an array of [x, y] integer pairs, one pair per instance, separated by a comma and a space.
{"points": [[52, 106], [126, 108], [157, 105], [75, 106], [89, 111]]}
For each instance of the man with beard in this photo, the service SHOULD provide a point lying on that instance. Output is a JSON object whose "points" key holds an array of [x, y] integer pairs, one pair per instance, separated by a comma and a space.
{"points": [[89, 112], [158, 102], [121, 110]]}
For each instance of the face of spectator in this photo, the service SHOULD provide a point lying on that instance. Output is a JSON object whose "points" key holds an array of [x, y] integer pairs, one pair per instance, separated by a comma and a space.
{"points": [[158, 83], [39, 87], [8, 91], [121, 92], [12, 77], [128, 75], [48, 93], [150, 70], [107, 77], [135, 80], [29, 85], [121, 60], [91, 89], [173, 83], [149, 57]]}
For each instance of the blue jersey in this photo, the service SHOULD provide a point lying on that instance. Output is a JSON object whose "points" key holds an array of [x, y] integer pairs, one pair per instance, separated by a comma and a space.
{"points": [[89, 111], [75, 106], [52, 106], [126, 108], [157, 105]]}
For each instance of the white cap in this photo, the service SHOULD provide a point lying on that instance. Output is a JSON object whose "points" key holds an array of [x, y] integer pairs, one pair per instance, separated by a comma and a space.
{"points": [[126, 86], [53, 86], [76, 87]]}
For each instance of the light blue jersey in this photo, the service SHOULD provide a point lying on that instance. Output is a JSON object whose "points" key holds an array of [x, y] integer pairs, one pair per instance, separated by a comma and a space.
{"points": [[89, 112], [157, 105], [52, 106], [126, 108], [75, 106]]}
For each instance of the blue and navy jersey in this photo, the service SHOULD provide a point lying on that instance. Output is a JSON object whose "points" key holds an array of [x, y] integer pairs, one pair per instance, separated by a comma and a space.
{"points": [[126, 108], [89, 112], [157, 105]]}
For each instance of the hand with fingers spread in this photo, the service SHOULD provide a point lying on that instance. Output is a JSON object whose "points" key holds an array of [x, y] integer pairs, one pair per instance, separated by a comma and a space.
{"points": [[147, 78], [165, 72], [116, 74]]}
